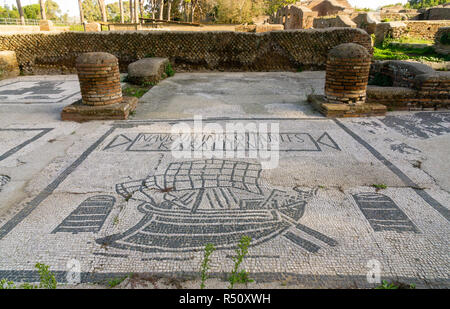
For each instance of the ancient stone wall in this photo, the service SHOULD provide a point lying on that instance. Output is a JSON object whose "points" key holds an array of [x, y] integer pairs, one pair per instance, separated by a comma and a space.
{"points": [[338, 21], [408, 85], [366, 20], [442, 41], [43, 53], [417, 29], [436, 13], [329, 7], [8, 64], [295, 17]]}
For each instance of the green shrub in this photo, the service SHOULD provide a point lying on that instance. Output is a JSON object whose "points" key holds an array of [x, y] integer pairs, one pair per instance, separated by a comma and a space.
{"points": [[445, 38], [169, 70]]}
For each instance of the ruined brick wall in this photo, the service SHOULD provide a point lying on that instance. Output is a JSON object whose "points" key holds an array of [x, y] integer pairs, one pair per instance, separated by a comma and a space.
{"points": [[188, 51], [436, 13], [295, 17], [398, 73], [427, 87], [338, 21], [442, 41], [424, 29], [418, 29]]}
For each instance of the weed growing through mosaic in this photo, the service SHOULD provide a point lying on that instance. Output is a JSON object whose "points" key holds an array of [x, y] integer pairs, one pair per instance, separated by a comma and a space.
{"points": [[209, 249], [394, 286], [379, 187], [236, 275], [7, 285], [116, 281], [48, 280]]}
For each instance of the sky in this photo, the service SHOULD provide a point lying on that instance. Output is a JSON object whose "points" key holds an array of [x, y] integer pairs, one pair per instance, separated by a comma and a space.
{"points": [[71, 6]]}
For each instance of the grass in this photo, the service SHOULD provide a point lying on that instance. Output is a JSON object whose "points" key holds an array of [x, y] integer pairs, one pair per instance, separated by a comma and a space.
{"points": [[412, 40], [77, 28], [391, 52], [242, 276], [379, 186], [137, 92], [209, 249], [116, 281], [394, 286], [47, 280]]}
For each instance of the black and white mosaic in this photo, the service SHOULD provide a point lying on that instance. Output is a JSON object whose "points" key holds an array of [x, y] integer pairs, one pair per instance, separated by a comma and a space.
{"points": [[124, 204], [383, 214], [4, 179], [420, 125], [212, 201], [15, 139], [41, 92], [163, 142], [89, 216]]}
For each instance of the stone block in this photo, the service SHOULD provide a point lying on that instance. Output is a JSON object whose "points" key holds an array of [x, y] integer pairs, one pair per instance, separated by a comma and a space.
{"points": [[46, 25], [92, 27], [331, 110], [80, 112], [147, 70], [8, 64]]}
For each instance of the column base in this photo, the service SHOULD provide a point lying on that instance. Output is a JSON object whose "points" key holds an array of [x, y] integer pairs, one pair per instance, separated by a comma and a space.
{"points": [[79, 112], [331, 110]]}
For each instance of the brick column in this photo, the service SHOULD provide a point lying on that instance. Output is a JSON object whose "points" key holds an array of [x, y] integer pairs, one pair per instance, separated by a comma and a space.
{"points": [[348, 67], [99, 79]]}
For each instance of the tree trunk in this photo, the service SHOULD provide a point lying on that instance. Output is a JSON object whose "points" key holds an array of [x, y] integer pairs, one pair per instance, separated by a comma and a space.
{"points": [[141, 8], [42, 8], [169, 9], [136, 11], [22, 16], [131, 12], [80, 4], [185, 11], [161, 9], [122, 17], [153, 4], [192, 11], [101, 4]]}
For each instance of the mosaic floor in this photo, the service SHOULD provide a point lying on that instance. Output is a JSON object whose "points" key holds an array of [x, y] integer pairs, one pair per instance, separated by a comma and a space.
{"points": [[117, 201]]}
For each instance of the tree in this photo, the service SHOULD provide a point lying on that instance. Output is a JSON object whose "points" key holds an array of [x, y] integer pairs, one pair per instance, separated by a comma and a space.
{"points": [[19, 7], [80, 5], [419, 4], [32, 11], [169, 9], [6, 12], [131, 11], [136, 11], [42, 9], [90, 10], [101, 4], [161, 9], [272, 6], [122, 17], [52, 9]]}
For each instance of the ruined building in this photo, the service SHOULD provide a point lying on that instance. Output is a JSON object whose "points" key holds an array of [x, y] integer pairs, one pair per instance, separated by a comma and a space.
{"points": [[301, 15]]}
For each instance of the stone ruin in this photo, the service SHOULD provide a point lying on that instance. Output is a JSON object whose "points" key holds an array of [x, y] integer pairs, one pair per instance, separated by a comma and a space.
{"points": [[339, 13], [9, 67]]}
